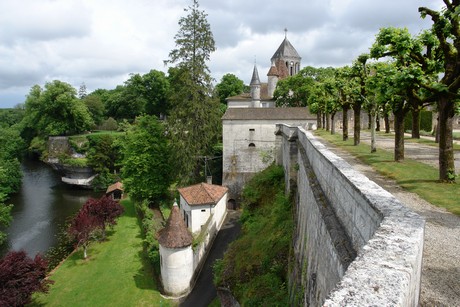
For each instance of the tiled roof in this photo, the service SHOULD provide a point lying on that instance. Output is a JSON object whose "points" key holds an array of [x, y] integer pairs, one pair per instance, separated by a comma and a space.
{"points": [[286, 50], [203, 194], [273, 71], [299, 113], [175, 234], [115, 186]]}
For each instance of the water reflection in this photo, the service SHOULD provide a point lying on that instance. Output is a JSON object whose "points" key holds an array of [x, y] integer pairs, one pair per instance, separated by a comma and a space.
{"points": [[41, 206]]}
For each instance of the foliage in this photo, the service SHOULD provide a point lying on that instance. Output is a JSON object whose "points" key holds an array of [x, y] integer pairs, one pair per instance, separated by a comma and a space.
{"points": [[256, 268], [151, 223], [230, 85], [109, 124], [95, 107], [5, 216], [55, 110], [194, 122], [82, 229], [10, 117], [119, 274], [425, 121], [146, 170], [105, 210], [20, 276], [69, 161], [65, 246]]}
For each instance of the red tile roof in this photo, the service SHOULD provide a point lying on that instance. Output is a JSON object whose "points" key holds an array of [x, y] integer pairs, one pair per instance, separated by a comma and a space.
{"points": [[203, 194], [175, 234]]}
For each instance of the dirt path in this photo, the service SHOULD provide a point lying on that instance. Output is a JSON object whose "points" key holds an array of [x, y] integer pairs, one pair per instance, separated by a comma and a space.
{"points": [[441, 255]]}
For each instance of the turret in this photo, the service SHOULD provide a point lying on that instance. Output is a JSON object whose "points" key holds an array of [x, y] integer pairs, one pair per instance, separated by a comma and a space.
{"points": [[176, 254], [286, 59], [255, 88]]}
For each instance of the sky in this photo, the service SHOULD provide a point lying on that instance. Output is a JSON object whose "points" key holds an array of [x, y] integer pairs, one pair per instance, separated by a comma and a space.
{"points": [[101, 42]]}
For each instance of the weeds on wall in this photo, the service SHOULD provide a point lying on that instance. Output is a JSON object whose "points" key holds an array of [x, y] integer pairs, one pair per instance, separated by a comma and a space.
{"points": [[255, 267]]}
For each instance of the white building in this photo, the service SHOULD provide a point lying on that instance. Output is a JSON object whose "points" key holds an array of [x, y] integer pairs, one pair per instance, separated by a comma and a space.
{"points": [[176, 255], [201, 203], [249, 141]]}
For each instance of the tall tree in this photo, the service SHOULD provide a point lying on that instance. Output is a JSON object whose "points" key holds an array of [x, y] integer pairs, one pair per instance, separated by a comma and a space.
{"points": [[446, 27], [146, 171], [194, 121], [20, 277]]}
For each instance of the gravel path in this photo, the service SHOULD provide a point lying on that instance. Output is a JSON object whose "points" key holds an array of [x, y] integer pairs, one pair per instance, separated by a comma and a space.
{"points": [[441, 254]]}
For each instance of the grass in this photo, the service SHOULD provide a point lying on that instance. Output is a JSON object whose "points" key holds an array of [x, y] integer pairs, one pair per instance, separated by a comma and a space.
{"points": [[116, 273], [413, 176]]}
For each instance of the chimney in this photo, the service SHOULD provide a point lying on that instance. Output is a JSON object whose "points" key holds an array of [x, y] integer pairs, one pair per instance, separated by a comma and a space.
{"points": [[209, 179]]}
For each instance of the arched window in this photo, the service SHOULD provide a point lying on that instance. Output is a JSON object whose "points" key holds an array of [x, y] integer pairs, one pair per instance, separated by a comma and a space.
{"points": [[252, 145]]}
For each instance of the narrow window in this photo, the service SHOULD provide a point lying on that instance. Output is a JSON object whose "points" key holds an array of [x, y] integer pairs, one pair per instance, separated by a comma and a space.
{"points": [[252, 145], [252, 130], [203, 210]]}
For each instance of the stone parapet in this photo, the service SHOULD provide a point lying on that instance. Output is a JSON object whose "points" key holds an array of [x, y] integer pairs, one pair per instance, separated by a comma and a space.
{"points": [[354, 244]]}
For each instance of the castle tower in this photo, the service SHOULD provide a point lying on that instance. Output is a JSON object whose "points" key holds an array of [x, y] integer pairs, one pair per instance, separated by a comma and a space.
{"points": [[176, 254], [255, 88], [286, 59]]}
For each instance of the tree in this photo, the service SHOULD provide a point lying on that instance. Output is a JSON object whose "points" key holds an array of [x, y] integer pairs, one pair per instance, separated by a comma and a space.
{"points": [[446, 27], [155, 91], [81, 229], [415, 64], [55, 110], [95, 107], [105, 210], [194, 121], [5, 216], [146, 171], [20, 276], [104, 156], [230, 85]]}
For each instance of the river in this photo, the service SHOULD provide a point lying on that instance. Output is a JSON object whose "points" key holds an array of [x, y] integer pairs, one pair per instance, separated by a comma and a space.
{"points": [[42, 205]]}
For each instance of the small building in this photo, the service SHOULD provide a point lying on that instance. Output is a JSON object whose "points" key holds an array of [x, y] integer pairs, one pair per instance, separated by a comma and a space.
{"points": [[202, 202], [176, 255], [115, 191]]}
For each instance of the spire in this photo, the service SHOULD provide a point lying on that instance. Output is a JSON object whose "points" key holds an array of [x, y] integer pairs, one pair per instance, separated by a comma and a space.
{"points": [[285, 33], [175, 234], [255, 77]]}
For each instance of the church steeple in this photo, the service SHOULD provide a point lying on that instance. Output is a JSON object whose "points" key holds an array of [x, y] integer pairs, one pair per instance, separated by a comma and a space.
{"points": [[286, 58]]}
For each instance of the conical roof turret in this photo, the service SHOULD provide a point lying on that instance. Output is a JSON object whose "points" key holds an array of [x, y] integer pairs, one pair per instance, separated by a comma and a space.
{"points": [[255, 77], [175, 234]]}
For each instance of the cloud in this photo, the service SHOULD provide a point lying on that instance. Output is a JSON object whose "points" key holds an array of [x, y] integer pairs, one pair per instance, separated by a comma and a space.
{"points": [[101, 42]]}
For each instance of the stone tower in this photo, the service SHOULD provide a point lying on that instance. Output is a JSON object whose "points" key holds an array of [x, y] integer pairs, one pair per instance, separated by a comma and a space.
{"points": [[255, 88], [285, 62], [176, 254]]}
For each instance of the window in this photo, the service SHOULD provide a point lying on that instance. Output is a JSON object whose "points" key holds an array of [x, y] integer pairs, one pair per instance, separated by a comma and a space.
{"points": [[252, 145], [252, 130], [203, 210]]}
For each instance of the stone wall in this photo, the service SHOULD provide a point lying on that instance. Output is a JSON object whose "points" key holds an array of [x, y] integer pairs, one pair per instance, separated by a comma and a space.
{"points": [[354, 243]]}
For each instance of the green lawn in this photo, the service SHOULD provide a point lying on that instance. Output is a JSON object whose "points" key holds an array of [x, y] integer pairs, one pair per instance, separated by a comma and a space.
{"points": [[413, 176], [116, 272]]}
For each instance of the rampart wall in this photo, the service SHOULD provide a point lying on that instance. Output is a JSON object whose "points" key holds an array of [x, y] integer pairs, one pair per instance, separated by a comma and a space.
{"points": [[354, 244]]}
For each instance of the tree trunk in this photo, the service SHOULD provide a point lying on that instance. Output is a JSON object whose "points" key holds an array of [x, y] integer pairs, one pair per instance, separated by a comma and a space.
{"points": [[436, 130], [372, 119], [85, 251], [446, 146], [345, 109], [386, 118], [369, 119], [399, 135], [328, 122], [324, 120], [333, 123], [377, 122], [416, 123], [318, 120], [357, 123]]}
